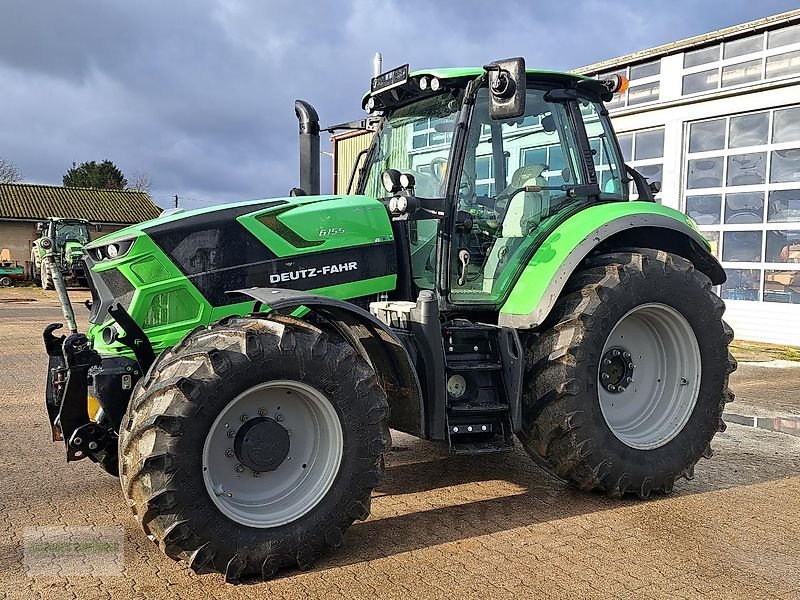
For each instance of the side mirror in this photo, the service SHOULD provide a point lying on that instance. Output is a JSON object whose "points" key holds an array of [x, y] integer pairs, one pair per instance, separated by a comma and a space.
{"points": [[655, 187], [40, 227], [506, 88], [98, 227]]}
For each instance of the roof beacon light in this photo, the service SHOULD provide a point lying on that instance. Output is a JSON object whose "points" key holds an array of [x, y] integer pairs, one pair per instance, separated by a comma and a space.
{"points": [[616, 84]]}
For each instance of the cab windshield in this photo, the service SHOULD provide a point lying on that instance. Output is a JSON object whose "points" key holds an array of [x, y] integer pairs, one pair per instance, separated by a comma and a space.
{"points": [[72, 232], [414, 139]]}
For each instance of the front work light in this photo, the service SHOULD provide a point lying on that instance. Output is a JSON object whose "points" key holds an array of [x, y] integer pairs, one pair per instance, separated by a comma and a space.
{"points": [[390, 179], [407, 181]]}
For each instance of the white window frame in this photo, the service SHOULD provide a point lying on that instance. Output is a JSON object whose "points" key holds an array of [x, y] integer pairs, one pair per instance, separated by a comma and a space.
{"points": [[720, 64], [644, 162], [764, 226]]}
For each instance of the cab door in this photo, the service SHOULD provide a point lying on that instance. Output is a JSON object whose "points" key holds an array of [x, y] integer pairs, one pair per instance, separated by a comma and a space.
{"points": [[543, 178]]}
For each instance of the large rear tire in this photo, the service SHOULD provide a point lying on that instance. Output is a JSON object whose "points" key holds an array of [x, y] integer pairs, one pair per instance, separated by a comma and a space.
{"points": [[253, 445], [626, 387]]}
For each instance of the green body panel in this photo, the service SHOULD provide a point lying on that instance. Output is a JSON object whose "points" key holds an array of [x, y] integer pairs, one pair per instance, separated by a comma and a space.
{"points": [[305, 224], [326, 224], [532, 287], [139, 228], [151, 273]]}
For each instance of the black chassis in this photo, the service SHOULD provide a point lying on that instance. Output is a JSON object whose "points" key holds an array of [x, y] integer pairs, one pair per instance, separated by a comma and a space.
{"points": [[75, 371]]}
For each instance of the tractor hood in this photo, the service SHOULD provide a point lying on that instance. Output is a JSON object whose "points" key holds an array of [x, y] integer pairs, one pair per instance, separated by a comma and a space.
{"points": [[182, 268], [173, 215], [72, 247]]}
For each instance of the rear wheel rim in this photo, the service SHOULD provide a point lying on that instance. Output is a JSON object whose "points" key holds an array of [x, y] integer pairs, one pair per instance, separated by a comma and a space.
{"points": [[649, 376], [307, 455]]}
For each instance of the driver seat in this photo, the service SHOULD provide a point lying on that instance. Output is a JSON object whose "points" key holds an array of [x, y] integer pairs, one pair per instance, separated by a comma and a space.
{"points": [[524, 207], [523, 210]]}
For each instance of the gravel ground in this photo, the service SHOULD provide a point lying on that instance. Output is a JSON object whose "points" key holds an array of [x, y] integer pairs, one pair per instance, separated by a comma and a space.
{"points": [[489, 526]]}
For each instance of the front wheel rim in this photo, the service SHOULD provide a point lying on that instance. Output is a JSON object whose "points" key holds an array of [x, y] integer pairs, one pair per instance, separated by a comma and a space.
{"points": [[649, 376], [309, 454]]}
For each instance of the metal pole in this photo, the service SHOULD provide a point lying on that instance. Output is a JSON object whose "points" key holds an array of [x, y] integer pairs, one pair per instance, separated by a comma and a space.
{"points": [[58, 283]]}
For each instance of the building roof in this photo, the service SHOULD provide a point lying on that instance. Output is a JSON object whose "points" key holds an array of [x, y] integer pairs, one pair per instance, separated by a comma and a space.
{"points": [[31, 201], [697, 41]]}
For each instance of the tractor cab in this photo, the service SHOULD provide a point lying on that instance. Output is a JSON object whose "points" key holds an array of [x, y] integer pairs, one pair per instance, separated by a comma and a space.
{"points": [[476, 165], [71, 230]]}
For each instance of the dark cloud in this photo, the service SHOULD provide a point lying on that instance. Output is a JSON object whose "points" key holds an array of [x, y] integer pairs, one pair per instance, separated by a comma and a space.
{"points": [[199, 93]]}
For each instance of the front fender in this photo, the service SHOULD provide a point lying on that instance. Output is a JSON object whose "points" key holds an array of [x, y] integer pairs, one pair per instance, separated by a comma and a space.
{"points": [[602, 227], [371, 338]]}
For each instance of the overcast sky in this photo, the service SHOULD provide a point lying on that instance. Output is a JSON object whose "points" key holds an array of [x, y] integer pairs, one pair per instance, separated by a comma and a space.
{"points": [[199, 94]]}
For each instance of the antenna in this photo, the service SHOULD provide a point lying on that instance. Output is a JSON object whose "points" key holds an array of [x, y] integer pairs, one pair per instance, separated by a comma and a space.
{"points": [[377, 64]]}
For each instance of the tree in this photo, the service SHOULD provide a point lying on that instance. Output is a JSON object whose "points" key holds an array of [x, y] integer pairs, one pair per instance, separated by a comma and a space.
{"points": [[104, 175], [140, 182], [9, 173]]}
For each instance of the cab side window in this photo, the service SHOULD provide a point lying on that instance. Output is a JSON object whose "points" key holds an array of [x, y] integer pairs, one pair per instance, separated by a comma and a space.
{"points": [[607, 162]]}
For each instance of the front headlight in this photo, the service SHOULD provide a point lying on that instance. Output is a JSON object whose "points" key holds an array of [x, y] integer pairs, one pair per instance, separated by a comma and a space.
{"points": [[112, 251]]}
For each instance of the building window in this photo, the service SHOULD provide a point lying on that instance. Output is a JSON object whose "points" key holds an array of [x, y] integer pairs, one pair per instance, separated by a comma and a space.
{"points": [[700, 82], [764, 56], [743, 46], [783, 37], [484, 176], [645, 84], [703, 56], [552, 156], [644, 151], [782, 65], [426, 134], [742, 188]]}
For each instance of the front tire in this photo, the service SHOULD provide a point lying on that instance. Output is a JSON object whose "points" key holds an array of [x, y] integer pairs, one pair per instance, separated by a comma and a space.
{"points": [[240, 398], [46, 279], [626, 388]]}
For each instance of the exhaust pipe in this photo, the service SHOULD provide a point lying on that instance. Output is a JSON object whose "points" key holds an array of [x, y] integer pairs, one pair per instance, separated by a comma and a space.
{"points": [[308, 121]]}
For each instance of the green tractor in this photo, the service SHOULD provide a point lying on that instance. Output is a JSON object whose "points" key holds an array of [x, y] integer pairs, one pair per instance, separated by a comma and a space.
{"points": [[491, 279], [68, 237]]}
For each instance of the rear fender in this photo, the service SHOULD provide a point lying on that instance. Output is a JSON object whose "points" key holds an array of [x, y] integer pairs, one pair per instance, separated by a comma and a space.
{"points": [[371, 338], [599, 229]]}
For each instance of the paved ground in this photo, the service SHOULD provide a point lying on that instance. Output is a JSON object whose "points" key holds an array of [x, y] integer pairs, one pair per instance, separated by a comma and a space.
{"points": [[440, 527]]}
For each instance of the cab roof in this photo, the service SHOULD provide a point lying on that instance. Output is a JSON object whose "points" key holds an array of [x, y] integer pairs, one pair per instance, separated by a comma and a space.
{"points": [[455, 73]]}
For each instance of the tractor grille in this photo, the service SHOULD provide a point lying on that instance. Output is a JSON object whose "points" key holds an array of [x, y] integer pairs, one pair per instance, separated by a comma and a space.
{"points": [[117, 283]]}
